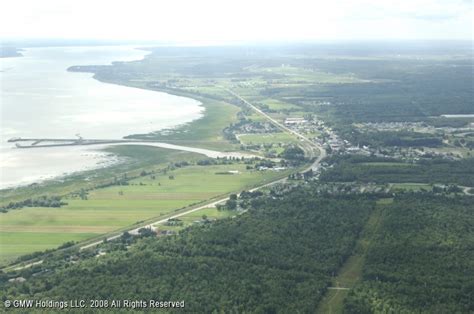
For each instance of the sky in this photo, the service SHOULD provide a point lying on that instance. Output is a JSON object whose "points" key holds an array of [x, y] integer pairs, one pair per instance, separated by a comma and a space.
{"points": [[237, 20]]}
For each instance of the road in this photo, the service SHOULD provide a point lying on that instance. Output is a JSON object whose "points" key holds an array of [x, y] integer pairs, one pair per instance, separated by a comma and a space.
{"points": [[322, 151], [467, 190], [313, 166], [152, 225]]}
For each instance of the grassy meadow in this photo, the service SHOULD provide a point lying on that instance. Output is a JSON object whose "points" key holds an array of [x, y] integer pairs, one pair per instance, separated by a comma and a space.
{"points": [[267, 138], [107, 209], [210, 214]]}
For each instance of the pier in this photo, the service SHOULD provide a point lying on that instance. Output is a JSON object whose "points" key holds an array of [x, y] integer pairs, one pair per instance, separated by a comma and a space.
{"points": [[54, 142], [59, 142]]}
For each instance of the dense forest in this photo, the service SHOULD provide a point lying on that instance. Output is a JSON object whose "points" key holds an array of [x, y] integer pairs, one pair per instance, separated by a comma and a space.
{"points": [[398, 90], [395, 90], [280, 257], [421, 260], [282, 250], [360, 169], [277, 257]]}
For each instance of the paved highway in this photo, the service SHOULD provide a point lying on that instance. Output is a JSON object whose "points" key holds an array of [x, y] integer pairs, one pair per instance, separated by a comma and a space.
{"points": [[314, 166]]}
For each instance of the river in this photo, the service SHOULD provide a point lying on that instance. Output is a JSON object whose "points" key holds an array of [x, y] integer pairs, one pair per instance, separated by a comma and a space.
{"points": [[40, 98]]}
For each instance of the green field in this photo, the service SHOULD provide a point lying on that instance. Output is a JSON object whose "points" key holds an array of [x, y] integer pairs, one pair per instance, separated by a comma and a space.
{"points": [[14, 244], [305, 76], [211, 214], [411, 186], [205, 132], [138, 158], [267, 138], [276, 104], [33, 229]]}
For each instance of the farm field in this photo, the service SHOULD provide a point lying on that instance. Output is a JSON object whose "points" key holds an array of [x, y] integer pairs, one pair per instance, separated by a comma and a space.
{"points": [[15, 243], [114, 207]]}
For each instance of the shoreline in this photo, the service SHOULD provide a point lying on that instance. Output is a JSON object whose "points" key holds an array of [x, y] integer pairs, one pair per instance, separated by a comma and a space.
{"points": [[106, 161], [117, 159], [174, 134]]}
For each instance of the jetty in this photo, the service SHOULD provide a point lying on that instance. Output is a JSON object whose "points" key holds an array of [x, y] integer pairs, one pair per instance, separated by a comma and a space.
{"points": [[58, 142], [55, 142]]}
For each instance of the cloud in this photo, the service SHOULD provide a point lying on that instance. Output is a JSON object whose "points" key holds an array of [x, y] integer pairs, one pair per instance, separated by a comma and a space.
{"points": [[435, 17], [186, 20]]}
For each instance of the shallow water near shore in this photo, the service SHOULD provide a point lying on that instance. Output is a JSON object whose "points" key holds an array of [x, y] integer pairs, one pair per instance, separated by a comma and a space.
{"points": [[41, 99]]}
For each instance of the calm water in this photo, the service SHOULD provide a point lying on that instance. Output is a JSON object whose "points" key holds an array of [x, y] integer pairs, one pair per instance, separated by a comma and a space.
{"points": [[39, 98]]}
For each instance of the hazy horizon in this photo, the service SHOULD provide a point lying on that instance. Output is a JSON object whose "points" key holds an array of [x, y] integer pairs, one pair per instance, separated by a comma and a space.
{"points": [[210, 21]]}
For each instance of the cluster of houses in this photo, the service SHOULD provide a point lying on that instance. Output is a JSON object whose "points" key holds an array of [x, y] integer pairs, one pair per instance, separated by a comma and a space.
{"points": [[335, 144], [255, 127], [263, 168], [328, 137], [295, 121], [397, 126], [413, 154]]}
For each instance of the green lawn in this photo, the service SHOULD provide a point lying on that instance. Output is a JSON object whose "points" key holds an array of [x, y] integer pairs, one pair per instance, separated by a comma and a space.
{"points": [[34, 229]]}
